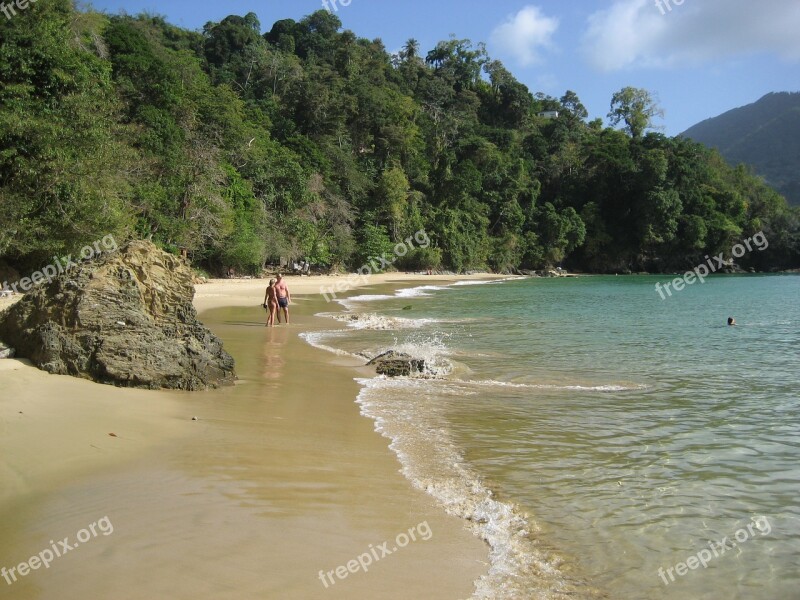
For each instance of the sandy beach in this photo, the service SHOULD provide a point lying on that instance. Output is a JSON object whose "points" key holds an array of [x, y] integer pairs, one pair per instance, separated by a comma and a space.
{"points": [[277, 484]]}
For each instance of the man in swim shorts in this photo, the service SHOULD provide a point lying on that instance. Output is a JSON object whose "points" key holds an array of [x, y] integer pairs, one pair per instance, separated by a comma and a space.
{"points": [[284, 298]]}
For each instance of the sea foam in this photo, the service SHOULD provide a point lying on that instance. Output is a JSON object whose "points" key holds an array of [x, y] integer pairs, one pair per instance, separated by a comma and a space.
{"points": [[521, 566]]}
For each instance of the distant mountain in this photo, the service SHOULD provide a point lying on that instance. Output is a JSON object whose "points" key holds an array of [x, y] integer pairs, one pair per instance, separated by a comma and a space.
{"points": [[765, 135]]}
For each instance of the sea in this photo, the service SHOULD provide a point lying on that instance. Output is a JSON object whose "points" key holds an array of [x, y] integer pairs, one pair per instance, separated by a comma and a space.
{"points": [[603, 441]]}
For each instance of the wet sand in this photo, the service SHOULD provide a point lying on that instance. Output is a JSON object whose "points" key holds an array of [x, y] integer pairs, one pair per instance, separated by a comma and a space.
{"points": [[278, 479]]}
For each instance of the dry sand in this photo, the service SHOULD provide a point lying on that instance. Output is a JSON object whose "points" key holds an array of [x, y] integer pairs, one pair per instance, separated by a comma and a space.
{"points": [[250, 292], [279, 479]]}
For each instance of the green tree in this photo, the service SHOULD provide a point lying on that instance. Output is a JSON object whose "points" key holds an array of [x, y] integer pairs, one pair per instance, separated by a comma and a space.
{"points": [[64, 166], [635, 107], [393, 190]]}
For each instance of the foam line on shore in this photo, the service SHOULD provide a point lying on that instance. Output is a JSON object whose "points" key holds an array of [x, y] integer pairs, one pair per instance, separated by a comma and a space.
{"points": [[521, 565]]}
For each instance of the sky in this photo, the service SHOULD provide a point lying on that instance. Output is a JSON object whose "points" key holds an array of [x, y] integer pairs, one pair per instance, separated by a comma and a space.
{"points": [[699, 58]]}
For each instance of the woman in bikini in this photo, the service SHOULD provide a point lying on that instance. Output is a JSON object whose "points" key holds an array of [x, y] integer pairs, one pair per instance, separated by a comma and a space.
{"points": [[271, 303]]}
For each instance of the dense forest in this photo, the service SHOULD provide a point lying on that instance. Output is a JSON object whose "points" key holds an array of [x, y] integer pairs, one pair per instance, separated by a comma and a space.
{"points": [[764, 134], [308, 142]]}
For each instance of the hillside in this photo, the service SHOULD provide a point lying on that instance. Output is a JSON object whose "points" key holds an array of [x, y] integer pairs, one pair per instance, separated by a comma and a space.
{"points": [[765, 135], [240, 144]]}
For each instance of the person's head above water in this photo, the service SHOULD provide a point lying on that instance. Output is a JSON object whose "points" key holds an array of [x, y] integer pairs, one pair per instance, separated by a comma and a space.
{"points": [[731, 321]]}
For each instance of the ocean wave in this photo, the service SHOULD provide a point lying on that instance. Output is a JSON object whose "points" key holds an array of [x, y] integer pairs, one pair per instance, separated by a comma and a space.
{"points": [[354, 301], [370, 297], [417, 292], [378, 322], [628, 387], [486, 281], [413, 292], [423, 290], [431, 349], [317, 338], [521, 566]]}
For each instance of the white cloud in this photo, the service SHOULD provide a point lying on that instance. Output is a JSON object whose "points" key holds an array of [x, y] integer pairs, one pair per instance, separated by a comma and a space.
{"points": [[525, 34], [639, 33]]}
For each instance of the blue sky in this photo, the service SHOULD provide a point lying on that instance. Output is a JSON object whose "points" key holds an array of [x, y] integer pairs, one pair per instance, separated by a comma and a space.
{"points": [[700, 57]]}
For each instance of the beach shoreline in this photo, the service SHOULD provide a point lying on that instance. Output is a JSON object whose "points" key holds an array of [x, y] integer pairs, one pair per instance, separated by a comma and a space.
{"points": [[218, 293], [58, 450]]}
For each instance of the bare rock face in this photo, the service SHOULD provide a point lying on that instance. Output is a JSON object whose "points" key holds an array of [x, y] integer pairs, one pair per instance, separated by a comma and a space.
{"points": [[124, 319]]}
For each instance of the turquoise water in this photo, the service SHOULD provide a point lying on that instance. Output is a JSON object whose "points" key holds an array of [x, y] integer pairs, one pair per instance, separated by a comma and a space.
{"points": [[596, 435]]}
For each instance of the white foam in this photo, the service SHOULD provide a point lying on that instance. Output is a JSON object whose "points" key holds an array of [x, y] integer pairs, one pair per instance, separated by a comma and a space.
{"points": [[431, 348], [355, 301], [316, 338], [369, 298], [549, 386], [364, 298], [486, 281], [417, 292], [414, 292], [406, 412], [378, 322]]}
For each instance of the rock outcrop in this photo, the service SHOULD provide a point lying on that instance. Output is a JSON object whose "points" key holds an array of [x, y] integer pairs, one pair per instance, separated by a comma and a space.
{"points": [[124, 319], [397, 364]]}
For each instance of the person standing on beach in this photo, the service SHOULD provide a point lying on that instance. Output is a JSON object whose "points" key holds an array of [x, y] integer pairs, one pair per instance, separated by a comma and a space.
{"points": [[284, 298], [271, 303]]}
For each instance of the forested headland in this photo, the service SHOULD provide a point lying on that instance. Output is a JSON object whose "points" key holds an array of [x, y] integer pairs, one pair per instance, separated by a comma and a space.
{"points": [[238, 147]]}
